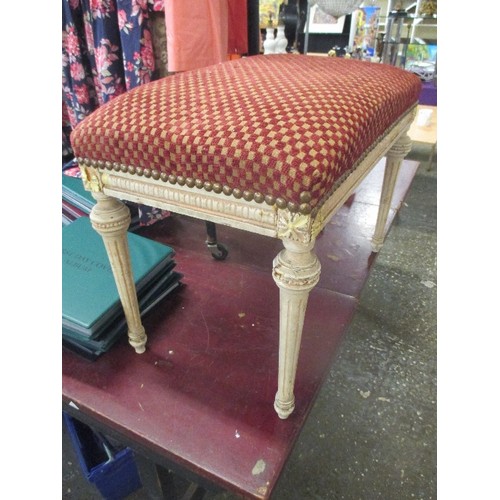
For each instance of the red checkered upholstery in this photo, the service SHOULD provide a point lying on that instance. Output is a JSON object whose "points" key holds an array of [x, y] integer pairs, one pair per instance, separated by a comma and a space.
{"points": [[281, 128]]}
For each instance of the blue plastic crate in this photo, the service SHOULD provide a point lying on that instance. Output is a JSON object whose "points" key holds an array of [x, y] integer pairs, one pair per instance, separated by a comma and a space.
{"points": [[113, 471]]}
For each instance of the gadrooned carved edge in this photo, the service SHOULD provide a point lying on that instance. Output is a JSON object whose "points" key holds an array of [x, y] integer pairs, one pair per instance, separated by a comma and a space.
{"points": [[89, 166], [216, 207]]}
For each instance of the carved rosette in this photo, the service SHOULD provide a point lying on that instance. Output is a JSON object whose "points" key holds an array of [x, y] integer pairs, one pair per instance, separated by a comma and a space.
{"points": [[294, 226]]}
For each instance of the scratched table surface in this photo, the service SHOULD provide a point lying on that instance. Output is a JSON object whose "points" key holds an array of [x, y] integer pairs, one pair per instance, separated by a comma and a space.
{"points": [[201, 396]]}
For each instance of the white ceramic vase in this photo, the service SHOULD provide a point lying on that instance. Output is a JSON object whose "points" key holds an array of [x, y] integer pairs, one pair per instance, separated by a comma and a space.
{"points": [[270, 42], [281, 41]]}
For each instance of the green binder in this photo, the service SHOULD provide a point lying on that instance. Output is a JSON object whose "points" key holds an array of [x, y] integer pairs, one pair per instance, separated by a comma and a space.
{"points": [[89, 295], [74, 192], [92, 348]]}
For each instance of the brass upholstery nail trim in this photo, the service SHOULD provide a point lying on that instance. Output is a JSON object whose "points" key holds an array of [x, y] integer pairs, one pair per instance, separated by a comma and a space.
{"points": [[270, 200], [305, 208], [305, 197], [281, 203]]}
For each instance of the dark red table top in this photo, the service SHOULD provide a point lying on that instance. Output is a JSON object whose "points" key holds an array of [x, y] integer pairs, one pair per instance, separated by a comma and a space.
{"points": [[202, 394]]}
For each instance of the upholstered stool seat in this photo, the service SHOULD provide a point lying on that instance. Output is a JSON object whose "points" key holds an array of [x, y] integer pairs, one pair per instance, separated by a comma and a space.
{"points": [[269, 144]]}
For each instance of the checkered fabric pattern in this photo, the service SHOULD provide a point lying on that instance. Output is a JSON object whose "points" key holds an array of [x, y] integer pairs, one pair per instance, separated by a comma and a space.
{"points": [[281, 127]]}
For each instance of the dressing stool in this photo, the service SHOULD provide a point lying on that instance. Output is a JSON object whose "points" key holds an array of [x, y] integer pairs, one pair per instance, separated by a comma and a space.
{"points": [[269, 144]]}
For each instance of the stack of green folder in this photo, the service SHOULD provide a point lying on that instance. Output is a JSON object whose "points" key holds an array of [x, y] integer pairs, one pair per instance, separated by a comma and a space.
{"points": [[92, 314], [77, 201]]}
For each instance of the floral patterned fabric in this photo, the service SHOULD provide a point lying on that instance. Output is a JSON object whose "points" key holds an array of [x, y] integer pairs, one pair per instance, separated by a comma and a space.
{"points": [[106, 50]]}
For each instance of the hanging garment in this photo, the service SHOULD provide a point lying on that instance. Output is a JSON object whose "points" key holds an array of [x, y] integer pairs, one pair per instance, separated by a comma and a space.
{"points": [[106, 50], [204, 32]]}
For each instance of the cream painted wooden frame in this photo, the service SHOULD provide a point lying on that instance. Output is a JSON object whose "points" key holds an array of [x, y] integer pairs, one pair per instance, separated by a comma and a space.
{"points": [[296, 269]]}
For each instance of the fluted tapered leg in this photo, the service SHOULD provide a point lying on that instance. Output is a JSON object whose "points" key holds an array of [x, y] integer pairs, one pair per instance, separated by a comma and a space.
{"points": [[296, 271], [111, 219], [395, 157]]}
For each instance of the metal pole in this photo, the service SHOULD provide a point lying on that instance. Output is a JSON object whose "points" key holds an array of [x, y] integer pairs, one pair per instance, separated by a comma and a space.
{"points": [[306, 38]]}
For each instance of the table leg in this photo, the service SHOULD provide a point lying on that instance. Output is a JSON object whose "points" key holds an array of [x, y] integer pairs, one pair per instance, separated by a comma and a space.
{"points": [[158, 483], [296, 271], [111, 219], [394, 159]]}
